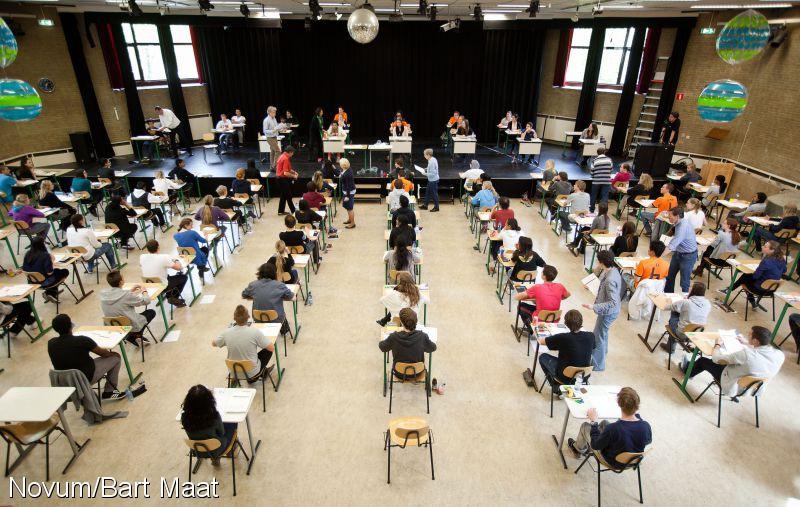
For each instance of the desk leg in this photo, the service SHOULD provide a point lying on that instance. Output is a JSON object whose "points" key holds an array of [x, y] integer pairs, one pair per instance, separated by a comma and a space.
{"points": [[385, 379], [42, 329], [594, 254], [297, 326], [647, 334], [115, 247], [253, 449], [501, 271], [167, 326], [750, 238], [780, 320], [305, 276], [687, 376], [195, 295], [560, 442], [11, 252], [77, 448], [277, 355], [730, 289], [131, 377], [793, 269], [77, 274]]}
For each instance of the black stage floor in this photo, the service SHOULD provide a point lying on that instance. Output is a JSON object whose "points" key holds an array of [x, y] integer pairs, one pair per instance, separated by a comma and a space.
{"points": [[510, 179]]}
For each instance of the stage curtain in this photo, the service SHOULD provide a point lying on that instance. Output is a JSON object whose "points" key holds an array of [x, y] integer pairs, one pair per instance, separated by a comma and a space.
{"points": [[671, 78], [173, 80], [564, 41], [135, 115], [97, 129], [590, 76], [109, 55], [649, 59], [628, 90]]}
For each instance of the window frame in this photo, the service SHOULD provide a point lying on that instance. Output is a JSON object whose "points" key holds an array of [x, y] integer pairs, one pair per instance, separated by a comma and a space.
{"points": [[138, 63], [625, 56]]}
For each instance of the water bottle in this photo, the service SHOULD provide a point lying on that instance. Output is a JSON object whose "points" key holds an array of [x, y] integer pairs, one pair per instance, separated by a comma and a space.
{"points": [[310, 299], [129, 394], [579, 381], [737, 195]]}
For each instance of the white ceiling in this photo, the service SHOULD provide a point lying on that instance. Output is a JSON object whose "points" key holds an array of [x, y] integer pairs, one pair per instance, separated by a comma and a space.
{"points": [[507, 9]]}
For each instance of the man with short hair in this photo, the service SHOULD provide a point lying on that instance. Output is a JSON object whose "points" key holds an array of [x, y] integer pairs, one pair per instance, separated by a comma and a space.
{"points": [[170, 122], [408, 345], [238, 121], [544, 296], [181, 173], [406, 211], [286, 175], [684, 251], [118, 302], [155, 265], [578, 201], [628, 434], [267, 293], [271, 131], [601, 177], [393, 198], [652, 267], [408, 186], [574, 348], [246, 343], [224, 129], [70, 352], [432, 172]]}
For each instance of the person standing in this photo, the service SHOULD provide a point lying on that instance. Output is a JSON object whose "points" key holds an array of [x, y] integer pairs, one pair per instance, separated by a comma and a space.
{"points": [[168, 120], [601, 178], [348, 184], [669, 132], [271, 130], [238, 122], [432, 190], [285, 175], [684, 246], [606, 306], [315, 128]]}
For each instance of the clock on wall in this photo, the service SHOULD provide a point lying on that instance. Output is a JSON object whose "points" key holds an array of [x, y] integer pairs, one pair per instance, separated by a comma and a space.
{"points": [[46, 85]]}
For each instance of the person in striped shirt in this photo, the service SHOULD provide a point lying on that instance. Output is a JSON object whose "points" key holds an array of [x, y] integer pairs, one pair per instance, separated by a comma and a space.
{"points": [[601, 178]]}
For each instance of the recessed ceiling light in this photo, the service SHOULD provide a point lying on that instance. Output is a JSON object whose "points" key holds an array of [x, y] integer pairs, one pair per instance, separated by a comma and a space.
{"points": [[622, 7], [494, 17], [739, 6]]}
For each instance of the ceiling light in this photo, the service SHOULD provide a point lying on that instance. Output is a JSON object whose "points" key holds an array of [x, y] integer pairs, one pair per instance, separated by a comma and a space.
{"points": [[495, 17], [205, 5], [244, 10], [739, 6], [134, 8], [500, 11], [337, 14], [316, 10], [623, 7], [45, 22], [575, 17], [521, 6]]}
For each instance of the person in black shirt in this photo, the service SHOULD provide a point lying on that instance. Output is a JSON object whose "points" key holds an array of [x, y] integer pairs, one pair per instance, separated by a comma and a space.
{"points": [[525, 258], [574, 348], [669, 133], [251, 172], [118, 212], [70, 352], [408, 345], [295, 237], [106, 171], [628, 241], [404, 231], [789, 220], [405, 211], [628, 434], [225, 202], [140, 198], [305, 215], [182, 173]]}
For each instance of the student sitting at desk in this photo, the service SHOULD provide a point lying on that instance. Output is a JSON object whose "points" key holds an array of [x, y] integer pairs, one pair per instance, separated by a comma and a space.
{"points": [[330, 171], [641, 189], [223, 202], [408, 345], [333, 131], [320, 185], [402, 258], [526, 135], [758, 358], [577, 201], [452, 122], [107, 171], [180, 173], [503, 213], [48, 198], [716, 189], [472, 174], [306, 215], [574, 348], [284, 262], [156, 265], [601, 222], [246, 343], [727, 241], [238, 122], [22, 312], [267, 293], [81, 183], [149, 147], [26, 170], [226, 133], [666, 202], [296, 237], [251, 171], [118, 302], [503, 123], [627, 241], [393, 198], [403, 230], [695, 214], [399, 127], [464, 129], [509, 235], [524, 259], [79, 235], [589, 133], [240, 185], [22, 211], [486, 197], [560, 186], [693, 309], [542, 296], [651, 267], [211, 215], [628, 434], [408, 185], [757, 207], [313, 198], [788, 220], [39, 260], [201, 421], [7, 183], [341, 117], [622, 176], [404, 211], [690, 176], [548, 174], [162, 184], [70, 352], [405, 294], [772, 267], [140, 198], [512, 130], [187, 237]]}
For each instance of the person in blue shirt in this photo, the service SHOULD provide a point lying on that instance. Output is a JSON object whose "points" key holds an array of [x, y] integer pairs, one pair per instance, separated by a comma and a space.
{"points": [[188, 237], [772, 267], [39, 260], [789, 220], [7, 183], [684, 248], [486, 197], [81, 183], [432, 190]]}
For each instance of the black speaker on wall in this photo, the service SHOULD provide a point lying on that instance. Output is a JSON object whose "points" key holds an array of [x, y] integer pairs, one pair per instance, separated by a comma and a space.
{"points": [[82, 147], [653, 159]]}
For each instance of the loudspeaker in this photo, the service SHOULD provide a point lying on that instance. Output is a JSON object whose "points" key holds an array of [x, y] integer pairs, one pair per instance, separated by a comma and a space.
{"points": [[82, 147], [653, 159]]}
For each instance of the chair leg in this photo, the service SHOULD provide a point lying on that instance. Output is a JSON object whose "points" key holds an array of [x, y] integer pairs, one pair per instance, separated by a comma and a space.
{"points": [[704, 391], [391, 390], [263, 395], [47, 457], [430, 448], [719, 408], [552, 395], [599, 501], [233, 470], [388, 459], [639, 477], [585, 459], [756, 398]]}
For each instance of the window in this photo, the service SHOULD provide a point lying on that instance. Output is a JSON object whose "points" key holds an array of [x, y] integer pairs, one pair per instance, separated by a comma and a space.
{"points": [[144, 51], [614, 64]]}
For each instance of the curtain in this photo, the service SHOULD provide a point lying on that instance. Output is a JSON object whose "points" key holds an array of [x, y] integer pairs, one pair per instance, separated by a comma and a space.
{"points": [[671, 78], [626, 98], [173, 80], [590, 76], [109, 55], [97, 129], [649, 59], [564, 41], [135, 115]]}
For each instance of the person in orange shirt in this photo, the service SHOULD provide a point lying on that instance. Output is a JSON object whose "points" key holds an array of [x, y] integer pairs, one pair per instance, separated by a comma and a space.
{"points": [[666, 202], [453, 121], [408, 186], [399, 127], [341, 118], [652, 267]]}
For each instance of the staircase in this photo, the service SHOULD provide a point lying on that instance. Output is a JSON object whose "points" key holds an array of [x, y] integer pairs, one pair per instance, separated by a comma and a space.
{"points": [[646, 122]]}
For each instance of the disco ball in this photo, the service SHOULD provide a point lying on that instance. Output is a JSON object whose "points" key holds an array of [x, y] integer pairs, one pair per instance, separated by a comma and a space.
{"points": [[8, 45], [18, 101], [722, 101], [743, 37], [363, 25]]}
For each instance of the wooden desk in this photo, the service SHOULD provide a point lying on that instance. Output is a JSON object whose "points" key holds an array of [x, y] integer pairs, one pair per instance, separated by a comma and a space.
{"points": [[109, 337], [156, 293], [790, 300], [703, 343], [601, 398], [30, 288], [662, 302]]}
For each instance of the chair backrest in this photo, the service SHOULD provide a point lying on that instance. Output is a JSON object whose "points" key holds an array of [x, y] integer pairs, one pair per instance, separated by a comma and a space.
{"points": [[152, 279], [265, 315], [241, 196], [28, 432], [208, 136], [297, 249], [20, 225], [694, 328], [238, 368], [786, 233], [409, 371], [76, 249], [393, 275], [203, 446], [750, 383], [120, 320], [113, 227], [549, 315], [771, 285], [598, 231], [287, 277], [186, 250], [628, 254], [626, 459], [572, 371], [254, 181], [526, 276], [727, 255], [414, 428], [34, 276], [104, 180], [159, 193]]}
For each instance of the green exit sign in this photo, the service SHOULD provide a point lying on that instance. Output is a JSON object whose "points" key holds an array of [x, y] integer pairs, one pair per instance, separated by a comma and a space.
{"points": [[708, 30]]}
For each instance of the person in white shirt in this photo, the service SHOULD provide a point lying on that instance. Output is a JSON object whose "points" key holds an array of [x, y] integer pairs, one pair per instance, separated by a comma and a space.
{"points": [[155, 265], [394, 196], [162, 184], [505, 120], [405, 294], [79, 235], [246, 343], [271, 130], [508, 236], [225, 131], [694, 214], [171, 125], [238, 122]]}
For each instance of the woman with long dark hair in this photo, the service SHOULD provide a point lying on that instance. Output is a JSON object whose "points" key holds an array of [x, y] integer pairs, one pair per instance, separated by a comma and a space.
{"points": [[39, 260], [525, 258], [401, 258], [628, 241], [315, 128], [201, 420]]}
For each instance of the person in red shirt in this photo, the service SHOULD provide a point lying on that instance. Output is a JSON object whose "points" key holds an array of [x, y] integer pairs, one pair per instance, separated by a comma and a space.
{"points": [[500, 216], [544, 296], [286, 175], [314, 198]]}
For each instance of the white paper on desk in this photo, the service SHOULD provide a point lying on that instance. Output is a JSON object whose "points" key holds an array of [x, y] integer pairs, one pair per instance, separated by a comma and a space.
{"points": [[61, 257], [237, 403], [592, 283], [101, 336], [13, 290], [207, 299], [172, 336], [432, 332]]}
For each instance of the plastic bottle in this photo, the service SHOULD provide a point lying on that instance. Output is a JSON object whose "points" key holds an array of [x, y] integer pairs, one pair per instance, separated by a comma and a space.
{"points": [[310, 299], [129, 394]]}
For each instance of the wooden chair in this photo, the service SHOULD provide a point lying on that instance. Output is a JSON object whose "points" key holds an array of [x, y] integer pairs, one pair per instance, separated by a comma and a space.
{"points": [[237, 374], [121, 320], [768, 290], [628, 460], [544, 316], [23, 229], [745, 384], [627, 254], [297, 249], [38, 278], [26, 435], [409, 373], [403, 432], [272, 316], [210, 144], [690, 328], [5, 330], [569, 372], [201, 449], [393, 276], [716, 268], [82, 251]]}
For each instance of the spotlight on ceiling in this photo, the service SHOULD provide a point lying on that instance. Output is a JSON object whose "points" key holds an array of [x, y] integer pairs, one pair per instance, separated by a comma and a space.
{"points": [[423, 7], [432, 12], [477, 12], [451, 25], [597, 10], [205, 5], [533, 9], [777, 35], [337, 14], [134, 8], [244, 10], [576, 17]]}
